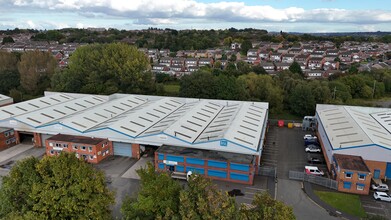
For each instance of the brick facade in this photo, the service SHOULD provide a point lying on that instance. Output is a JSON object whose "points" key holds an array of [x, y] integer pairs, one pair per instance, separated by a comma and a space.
{"points": [[38, 140], [377, 165], [357, 185], [7, 138], [93, 150], [136, 151]]}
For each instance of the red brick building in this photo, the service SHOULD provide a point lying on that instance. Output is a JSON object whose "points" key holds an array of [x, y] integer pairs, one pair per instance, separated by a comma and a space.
{"points": [[93, 150], [7, 138], [351, 173]]}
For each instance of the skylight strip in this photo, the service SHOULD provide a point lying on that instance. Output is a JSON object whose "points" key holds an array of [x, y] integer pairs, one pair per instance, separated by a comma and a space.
{"points": [[21, 108], [248, 135], [55, 99], [114, 106], [110, 111], [100, 115], [33, 105], [128, 129], [203, 114], [7, 112], [165, 108], [80, 105], [36, 121], [65, 97], [141, 125], [47, 103], [47, 115], [207, 111], [148, 113], [126, 105], [211, 107], [70, 108], [89, 102], [146, 119], [249, 143], [89, 119], [80, 125]]}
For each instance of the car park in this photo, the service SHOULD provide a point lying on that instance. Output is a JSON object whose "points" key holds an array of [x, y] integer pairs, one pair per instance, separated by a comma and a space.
{"points": [[310, 137], [382, 196], [315, 159], [311, 141], [313, 170], [380, 187], [312, 149]]}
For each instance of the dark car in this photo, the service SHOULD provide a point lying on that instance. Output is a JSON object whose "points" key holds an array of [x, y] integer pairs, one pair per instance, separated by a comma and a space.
{"points": [[235, 192], [312, 141], [315, 159]]}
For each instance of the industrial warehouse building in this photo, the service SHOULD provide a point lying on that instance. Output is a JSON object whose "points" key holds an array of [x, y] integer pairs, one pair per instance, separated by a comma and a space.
{"points": [[357, 131], [5, 100], [217, 138]]}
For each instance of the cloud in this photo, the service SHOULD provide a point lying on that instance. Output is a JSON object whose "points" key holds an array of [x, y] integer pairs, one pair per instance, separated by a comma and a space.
{"points": [[173, 11]]}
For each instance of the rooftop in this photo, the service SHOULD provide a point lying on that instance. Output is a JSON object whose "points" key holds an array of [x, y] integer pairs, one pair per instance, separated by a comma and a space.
{"points": [[350, 162], [76, 139]]}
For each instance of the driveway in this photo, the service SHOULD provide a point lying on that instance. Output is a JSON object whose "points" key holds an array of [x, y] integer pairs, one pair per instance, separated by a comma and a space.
{"points": [[289, 146]]}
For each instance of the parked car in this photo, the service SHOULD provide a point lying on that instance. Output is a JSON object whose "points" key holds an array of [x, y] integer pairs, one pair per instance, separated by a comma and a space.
{"points": [[380, 187], [313, 170], [312, 158], [310, 137], [312, 149], [382, 196], [311, 141]]}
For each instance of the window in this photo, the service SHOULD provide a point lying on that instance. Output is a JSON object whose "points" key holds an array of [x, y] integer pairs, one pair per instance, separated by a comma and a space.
{"points": [[75, 147], [6, 134], [348, 175], [347, 185], [361, 176], [90, 149], [65, 145], [7, 142], [91, 157], [51, 152], [360, 186], [57, 145], [83, 147]]}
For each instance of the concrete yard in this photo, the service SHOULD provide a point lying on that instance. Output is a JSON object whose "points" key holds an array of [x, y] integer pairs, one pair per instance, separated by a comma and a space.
{"points": [[131, 172], [13, 151]]}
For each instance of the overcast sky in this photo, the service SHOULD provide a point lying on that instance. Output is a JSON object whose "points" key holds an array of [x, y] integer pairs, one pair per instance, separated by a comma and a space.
{"points": [[272, 15]]}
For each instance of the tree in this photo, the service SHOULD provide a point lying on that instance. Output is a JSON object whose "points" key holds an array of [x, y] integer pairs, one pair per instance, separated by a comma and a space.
{"points": [[105, 69], [258, 69], [36, 68], [202, 200], [152, 201], [9, 74], [266, 208], [201, 84], [246, 45], [7, 39], [62, 187], [295, 68], [229, 88], [302, 101]]}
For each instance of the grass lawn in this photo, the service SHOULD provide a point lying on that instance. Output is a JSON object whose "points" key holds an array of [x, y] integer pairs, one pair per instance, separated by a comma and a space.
{"points": [[344, 202], [171, 89]]}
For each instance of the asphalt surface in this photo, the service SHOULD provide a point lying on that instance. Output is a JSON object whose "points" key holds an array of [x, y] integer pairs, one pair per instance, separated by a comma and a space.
{"points": [[288, 153]]}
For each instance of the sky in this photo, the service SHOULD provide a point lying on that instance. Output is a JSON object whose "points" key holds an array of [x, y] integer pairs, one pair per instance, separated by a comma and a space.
{"points": [[272, 15]]}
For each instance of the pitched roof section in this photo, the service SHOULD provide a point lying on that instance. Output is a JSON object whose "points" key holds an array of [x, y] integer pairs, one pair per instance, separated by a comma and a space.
{"points": [[33, 105], [105, 112], [141, 120], [349, 126], [54, 113]]}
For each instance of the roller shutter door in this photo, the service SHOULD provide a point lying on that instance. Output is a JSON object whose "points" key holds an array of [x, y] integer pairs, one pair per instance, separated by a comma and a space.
{"points": [[122, 149]]}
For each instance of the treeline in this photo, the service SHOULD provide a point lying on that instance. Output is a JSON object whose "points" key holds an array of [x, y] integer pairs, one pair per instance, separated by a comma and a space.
{"points": [[120, 68], [186, 39]]}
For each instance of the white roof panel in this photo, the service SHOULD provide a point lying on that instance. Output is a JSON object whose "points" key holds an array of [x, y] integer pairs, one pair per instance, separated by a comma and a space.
{"points": [[103, 113], [32, 105], [54, 113], [141, 120]]}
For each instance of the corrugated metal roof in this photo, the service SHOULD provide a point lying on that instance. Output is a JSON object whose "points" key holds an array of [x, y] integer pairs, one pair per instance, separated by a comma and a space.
{"points": [[32, 105], [349, 126], [54, 113], [105, 112]]}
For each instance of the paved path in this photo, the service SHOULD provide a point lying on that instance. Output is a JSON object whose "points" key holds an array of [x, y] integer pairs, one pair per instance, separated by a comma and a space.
{"points": [[131, 172], [13, 151]]}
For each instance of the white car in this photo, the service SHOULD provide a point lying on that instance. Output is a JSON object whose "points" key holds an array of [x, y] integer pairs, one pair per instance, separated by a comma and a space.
{"points": [[312, 149], [380, 187], [382, 196], [309, 137], [313, 170]]}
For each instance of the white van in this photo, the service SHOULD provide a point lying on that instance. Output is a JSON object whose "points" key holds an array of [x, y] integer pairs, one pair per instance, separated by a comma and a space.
{"points": [[313, 170]]}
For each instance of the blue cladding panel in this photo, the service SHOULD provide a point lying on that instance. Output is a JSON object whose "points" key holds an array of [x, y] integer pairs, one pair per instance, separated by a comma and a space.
{"points": [[217, 173], [161, 156], [180, 169], [195, 170], [347, 185], [241, 167], [195, 161], [218, 164], [175, 158], [388, 171], [239, 176], [161, 166]]}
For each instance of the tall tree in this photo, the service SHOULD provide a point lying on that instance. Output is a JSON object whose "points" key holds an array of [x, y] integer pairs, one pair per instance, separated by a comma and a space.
{"points": [[246, 45], [302, 101], [62, 187], [106, 68], [7, 39], [9, 74], [295, 68], [201, 84], [152, 201], [36, 68], [203, 200]]}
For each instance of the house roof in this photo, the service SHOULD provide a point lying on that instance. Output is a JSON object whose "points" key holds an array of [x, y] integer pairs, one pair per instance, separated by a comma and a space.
{"points": [[76, 139], [352, 126], [192, 121], [350, 162]]}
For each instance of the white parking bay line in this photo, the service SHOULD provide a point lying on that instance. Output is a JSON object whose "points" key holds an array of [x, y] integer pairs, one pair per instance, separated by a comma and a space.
{"points": [[372, 207]]}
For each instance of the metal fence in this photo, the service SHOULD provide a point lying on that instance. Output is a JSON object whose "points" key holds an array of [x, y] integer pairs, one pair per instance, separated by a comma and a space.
{"points": [[329, 183], [267, 171]]}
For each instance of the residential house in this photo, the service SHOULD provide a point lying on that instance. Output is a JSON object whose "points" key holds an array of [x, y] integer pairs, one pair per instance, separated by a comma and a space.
{"points": [[314, 74], [331, 65], [165, 61], [330, 57], [275, 46], [268, 66], [283, 50], [235, 46], [264, 55], [252, 59], [302, 59], [351, 173], [332, 52], [288, 58], [295, 51], [307, 49], [178, 61], [201, 54], [192, 69], [319, 55], [205, 61], [191, 62], [275, 57], [357, 56], [177, 68], [164, 52], [252, 52], [315, 63], [160, 68], [282, 66], [189, 53], [345, 57]]}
